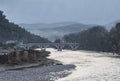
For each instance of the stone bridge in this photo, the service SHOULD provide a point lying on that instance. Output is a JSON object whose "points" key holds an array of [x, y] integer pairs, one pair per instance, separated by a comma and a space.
{"points": [[44, 46]]}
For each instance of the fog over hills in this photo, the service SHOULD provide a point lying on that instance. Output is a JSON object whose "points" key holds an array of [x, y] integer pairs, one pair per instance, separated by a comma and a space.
{"points": [[111, 24], [45, 25], [55, 30]]}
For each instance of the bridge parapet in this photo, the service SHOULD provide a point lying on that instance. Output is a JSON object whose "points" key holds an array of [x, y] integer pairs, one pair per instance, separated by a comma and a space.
{"points": [[43, 46]]}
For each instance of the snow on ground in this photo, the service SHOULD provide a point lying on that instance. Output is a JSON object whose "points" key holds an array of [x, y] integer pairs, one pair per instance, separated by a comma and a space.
{"points": [[49, 73], [45, 73], [90, 66]]}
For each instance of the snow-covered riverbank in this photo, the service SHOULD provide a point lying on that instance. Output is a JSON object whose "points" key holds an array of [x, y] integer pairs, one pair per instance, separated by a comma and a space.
{"points": [[90, 66], [49, 73]]}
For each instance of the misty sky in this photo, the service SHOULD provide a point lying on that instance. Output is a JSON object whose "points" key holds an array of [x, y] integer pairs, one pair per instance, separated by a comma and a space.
{"points": [[50, 11]]}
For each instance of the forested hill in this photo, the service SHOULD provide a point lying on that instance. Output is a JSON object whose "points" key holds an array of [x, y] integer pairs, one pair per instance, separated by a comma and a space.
{"points": [[97, 38], [11, 31]]}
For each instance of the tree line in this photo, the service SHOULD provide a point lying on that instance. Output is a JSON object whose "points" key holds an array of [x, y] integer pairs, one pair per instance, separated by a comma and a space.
{"points": [[97, 38]]}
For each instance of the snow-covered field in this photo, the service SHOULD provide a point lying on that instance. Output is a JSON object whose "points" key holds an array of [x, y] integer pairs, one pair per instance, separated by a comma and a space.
{"points": [[90, 66]]}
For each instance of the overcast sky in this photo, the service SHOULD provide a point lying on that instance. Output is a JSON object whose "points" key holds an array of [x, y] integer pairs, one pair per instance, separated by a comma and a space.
{"points": [[50, 11]]}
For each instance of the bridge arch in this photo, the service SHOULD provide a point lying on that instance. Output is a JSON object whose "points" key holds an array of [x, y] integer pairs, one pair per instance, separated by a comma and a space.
{"points": [[44, 46]]}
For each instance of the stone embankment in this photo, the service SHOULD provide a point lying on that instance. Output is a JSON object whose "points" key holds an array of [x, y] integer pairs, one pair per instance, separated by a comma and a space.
{"points": [[21, 68], [24, 56], [18, 60]]}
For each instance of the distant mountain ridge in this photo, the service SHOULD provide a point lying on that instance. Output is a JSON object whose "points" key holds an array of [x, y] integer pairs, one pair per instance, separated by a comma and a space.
{"points": [[44, 25], [55, 30]]}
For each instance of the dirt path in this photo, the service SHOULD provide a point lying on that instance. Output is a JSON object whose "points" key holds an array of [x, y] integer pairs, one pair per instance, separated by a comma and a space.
{"points": [[90, 66]]}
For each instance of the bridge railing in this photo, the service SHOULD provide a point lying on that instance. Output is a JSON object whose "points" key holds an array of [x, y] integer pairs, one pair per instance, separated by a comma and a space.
{"points": [[59, 46]]}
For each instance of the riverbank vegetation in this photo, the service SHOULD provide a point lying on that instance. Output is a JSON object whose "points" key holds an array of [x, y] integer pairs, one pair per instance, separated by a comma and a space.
{"points": [[97, 39]]}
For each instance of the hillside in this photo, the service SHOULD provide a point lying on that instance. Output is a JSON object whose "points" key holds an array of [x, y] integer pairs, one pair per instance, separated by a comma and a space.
{"points": [[11, 31], [44, 25], [56, 30]]}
